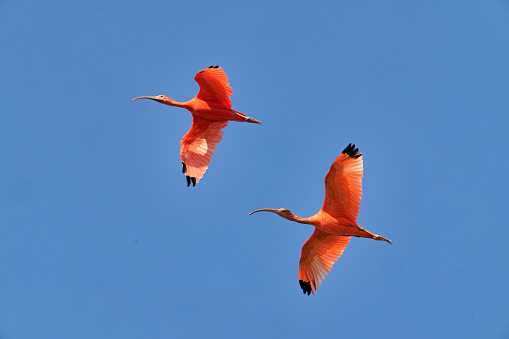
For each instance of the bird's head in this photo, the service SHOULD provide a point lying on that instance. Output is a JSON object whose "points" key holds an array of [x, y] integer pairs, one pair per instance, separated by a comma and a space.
{"points": [[282, 212], [163, 99]]}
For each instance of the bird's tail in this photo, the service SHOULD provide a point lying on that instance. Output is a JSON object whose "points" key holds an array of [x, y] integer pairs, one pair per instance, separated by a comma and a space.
{"points": [[243, 118]]}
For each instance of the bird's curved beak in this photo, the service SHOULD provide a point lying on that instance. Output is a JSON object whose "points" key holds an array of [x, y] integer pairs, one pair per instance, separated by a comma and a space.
{"points": [[265, 210], [151, 98]]}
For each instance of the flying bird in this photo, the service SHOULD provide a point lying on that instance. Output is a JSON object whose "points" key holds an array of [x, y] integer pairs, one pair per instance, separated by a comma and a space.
{"points": [[211, 110], [335, 223]]}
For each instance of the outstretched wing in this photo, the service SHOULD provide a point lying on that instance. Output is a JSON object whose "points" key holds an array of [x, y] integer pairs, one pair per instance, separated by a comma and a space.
{"points": [[343, 185], [198, 145], [319, 253], [214, 86]]}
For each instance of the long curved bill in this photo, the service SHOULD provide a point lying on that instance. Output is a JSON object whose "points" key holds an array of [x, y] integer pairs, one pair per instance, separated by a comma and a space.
{"points": [[265, 210], [151, 98]]}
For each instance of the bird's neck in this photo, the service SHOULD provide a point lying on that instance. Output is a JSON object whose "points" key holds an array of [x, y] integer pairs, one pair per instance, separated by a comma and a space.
{"points": [[171, 102], [301, 220]]}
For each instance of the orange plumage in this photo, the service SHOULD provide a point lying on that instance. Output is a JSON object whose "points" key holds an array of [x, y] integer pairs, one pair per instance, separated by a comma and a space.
{"points": [[211, 110], [335, 223]]}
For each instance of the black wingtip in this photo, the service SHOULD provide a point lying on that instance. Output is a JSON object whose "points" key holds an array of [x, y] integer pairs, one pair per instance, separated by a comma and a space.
{"points": [[213, 66], [351, 151], [190, 180], [306, 286]]}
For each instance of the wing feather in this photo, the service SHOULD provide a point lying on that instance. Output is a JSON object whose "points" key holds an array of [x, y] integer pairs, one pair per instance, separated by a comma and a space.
{"points": [[343, 185], [198, 145], [318, 256], [214, 86]]}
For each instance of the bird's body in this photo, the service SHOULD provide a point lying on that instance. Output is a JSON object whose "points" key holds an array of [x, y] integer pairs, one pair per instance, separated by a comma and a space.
{"points": [[211, 110], [338, 226], [335, 223]]}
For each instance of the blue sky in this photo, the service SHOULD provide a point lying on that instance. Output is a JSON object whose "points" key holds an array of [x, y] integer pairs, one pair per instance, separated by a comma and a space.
{"points": [[101, 238]]}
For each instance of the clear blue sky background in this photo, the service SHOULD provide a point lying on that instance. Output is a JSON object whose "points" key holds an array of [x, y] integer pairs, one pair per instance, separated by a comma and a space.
{"points": [[101, 238]]}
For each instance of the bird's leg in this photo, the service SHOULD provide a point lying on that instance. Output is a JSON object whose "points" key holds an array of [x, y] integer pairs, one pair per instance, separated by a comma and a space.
{"points": [[379, 237], [248, 119], [373, 235]]}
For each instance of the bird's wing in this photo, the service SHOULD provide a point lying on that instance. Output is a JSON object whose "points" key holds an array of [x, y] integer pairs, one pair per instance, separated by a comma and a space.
{"points": [[214, 86], [319, 253], [343, 185], [198, 145]]}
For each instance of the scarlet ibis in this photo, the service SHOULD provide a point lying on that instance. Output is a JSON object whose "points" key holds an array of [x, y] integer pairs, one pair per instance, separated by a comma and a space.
{"points": [[211, 110], [335, 223]]}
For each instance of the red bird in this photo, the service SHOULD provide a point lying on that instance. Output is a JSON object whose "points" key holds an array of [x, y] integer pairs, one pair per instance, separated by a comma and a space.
{"points": [[211, 110], [335, 223]]}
